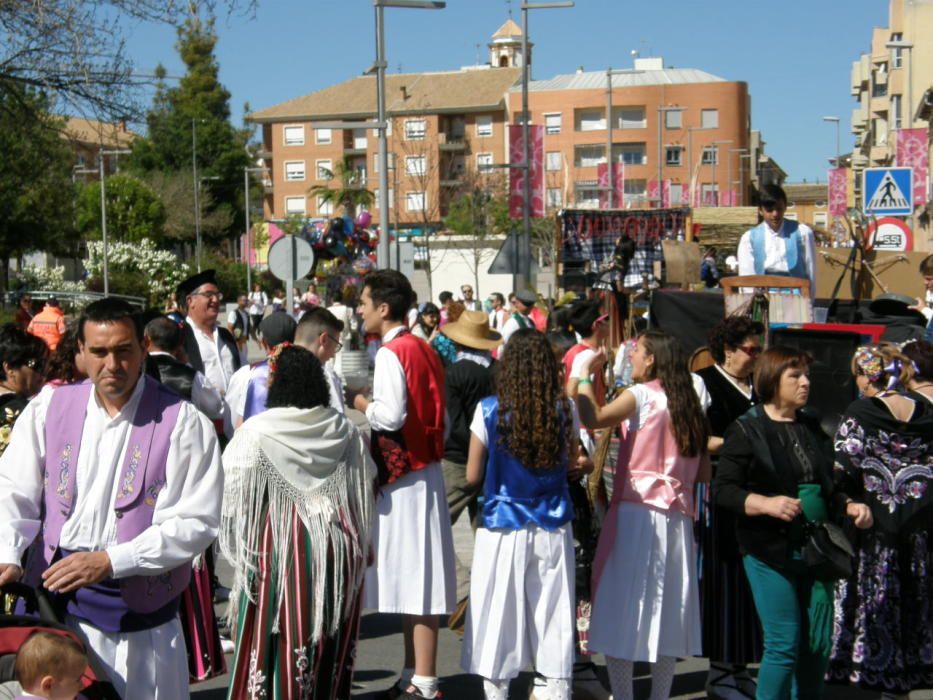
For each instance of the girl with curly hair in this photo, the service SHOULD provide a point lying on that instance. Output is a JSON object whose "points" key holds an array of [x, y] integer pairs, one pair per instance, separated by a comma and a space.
{"points": [[645, 595], [522, 583]]}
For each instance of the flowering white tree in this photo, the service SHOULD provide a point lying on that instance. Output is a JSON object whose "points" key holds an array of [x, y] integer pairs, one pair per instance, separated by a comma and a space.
{"points": [[161, 269]]}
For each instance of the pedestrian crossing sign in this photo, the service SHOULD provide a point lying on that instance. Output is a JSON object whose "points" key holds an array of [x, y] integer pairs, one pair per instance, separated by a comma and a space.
{"points": [[888, 191]]}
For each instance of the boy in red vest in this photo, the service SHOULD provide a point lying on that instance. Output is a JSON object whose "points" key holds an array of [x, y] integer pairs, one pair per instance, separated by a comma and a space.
{"points": [[413, 573]]}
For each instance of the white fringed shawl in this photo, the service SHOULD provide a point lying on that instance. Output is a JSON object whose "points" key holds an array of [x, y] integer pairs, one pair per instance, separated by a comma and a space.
{"points": [[312, 462]]}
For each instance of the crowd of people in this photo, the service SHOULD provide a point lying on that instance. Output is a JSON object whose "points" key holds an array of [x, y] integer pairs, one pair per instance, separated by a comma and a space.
{"points": [[736, 525]]}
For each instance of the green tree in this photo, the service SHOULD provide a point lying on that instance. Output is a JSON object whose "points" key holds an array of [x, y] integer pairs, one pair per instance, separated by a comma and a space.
{"points": [[195, 116], [134, 210], [350, 191], [36, 193]]}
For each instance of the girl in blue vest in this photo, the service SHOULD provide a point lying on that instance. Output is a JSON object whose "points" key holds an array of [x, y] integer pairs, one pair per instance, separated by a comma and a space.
{"points": [[522, 585]]}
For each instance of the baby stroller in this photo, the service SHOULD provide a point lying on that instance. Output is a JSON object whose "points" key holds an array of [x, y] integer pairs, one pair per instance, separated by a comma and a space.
{"points": [[40, 615]]}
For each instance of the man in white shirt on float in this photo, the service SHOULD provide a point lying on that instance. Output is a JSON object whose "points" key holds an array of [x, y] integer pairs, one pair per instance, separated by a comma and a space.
{"points": [[119, 484]]}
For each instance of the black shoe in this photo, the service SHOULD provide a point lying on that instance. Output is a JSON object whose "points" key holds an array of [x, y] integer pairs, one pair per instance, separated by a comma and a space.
{"points": [[393, 693], [414, 693]]}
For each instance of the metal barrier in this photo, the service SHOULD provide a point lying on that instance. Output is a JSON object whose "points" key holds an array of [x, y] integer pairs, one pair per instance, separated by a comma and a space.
{"points": [[76, 298]]}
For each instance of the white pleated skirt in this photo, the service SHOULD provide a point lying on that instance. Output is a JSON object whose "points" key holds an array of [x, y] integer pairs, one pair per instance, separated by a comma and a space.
{"points": [[521, 608], [646, 600], [414, 570]]}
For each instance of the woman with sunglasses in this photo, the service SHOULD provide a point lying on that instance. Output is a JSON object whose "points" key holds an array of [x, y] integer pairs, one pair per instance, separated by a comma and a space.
{"points": [[731, 633], [777, 246]]}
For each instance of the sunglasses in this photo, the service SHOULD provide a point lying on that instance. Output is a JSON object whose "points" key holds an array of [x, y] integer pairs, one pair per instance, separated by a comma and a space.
{"points": [[750, 350]]}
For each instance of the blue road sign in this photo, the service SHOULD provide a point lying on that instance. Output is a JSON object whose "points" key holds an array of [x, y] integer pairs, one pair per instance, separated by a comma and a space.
{"points": [[888, 191]]}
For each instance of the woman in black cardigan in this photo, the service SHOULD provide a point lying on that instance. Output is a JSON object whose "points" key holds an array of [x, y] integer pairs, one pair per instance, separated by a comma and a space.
{"points": [[774, 472]]}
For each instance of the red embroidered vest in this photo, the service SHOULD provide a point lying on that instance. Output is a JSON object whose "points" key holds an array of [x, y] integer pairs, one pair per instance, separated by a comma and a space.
{"points": [[423, 430]]}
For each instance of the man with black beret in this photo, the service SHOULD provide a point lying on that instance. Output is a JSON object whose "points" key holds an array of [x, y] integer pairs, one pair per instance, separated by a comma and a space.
{"points": [[523, 300]]}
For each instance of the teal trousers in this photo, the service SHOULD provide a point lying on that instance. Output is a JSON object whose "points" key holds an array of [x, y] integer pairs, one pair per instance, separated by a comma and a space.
{"points": [[790, 669]]}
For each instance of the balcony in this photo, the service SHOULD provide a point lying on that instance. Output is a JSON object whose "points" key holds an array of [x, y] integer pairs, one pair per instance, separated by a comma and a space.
{"points": [[452, 142], [265, 154], [267, 186], [452, 181]]}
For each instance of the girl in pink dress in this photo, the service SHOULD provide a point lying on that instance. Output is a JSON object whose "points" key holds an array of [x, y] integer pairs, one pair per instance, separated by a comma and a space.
{"points": [[645, 591]]}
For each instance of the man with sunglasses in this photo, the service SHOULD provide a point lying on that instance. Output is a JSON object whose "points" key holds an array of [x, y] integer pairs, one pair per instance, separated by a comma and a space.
{"points": [[778, 246], [469, 303]]}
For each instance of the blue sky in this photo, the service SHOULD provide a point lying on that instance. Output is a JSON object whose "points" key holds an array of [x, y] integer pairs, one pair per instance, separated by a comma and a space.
{"points": [[795, 56]]}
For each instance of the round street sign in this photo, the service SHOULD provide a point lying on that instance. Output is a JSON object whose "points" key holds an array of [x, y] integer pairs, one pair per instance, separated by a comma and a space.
{"points": [[889, 233], [290, 258]]}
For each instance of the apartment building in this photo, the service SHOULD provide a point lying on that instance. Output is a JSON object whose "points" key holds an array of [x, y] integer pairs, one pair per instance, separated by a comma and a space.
{"points": [[889, 82], [88, 137], [682, 126], [677, 124]]}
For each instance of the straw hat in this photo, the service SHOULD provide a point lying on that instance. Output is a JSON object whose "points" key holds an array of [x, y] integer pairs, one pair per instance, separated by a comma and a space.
{"points": [[472, 330]]}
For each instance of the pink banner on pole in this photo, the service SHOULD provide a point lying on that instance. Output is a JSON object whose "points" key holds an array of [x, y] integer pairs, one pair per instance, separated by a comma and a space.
{"points": [[535, 171], [912, 153], [618, 185], [665, 193], [837, 194]]}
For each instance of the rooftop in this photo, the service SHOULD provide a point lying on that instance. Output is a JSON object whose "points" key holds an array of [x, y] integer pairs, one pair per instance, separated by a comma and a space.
{"points": [[593, 80], [98, 133], [406, 93], [509, 30]]}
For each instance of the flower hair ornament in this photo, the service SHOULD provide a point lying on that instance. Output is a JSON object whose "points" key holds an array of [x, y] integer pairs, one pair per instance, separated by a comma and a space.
{"points": [[869, 363], [274, 356]]}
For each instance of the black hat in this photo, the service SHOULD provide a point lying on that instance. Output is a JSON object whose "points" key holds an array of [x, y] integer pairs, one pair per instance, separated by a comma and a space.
{"points": [[278, 327], [526, 296], [190, 285]]}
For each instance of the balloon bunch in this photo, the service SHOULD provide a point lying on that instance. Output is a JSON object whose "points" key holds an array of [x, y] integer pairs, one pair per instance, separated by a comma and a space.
{"points": [[343, 239]]}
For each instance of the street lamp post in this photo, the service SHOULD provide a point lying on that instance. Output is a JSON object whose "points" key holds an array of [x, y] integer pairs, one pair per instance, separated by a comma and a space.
{"points": [[103, 211], [523, 278], [196, 181], [835, 120], [610, 179], [690, 130], [382, 255], [716, 145], [742, 184], [248, 253], [729, 172], [662, 111]]}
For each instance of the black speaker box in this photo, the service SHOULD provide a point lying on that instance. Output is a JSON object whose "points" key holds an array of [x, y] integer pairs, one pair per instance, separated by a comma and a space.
{"points": [[832, 386]]}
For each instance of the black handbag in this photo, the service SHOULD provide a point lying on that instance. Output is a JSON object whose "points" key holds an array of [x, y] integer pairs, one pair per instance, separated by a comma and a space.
{"points": [[827, 551]]}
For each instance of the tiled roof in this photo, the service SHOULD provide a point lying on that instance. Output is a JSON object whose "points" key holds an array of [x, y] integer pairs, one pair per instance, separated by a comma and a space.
{"points": [[805, 191], [509, 30], [592, 80], [96, 133], [470, 90]]}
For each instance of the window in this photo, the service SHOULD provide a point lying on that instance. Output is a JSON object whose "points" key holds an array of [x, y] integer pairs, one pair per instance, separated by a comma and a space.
{"points": [[294, 135], [414, 201], [590, 119], [552, 124], [587, 197], [819, 219], [484, 125], [635, 191], [710, 155], [897, 55], [589, 156], [677, 195], [674, 119], [294, 205], [323, 136], [484, 162], [324, 208], [324, 169], [554, 200], [359, 139], [709, 118], [414, 165], [674, 155], [552, 160], [415, 129], [896, 116], [294, 170], [709, 194], [390, 158], [629, 118], [879, 128], [376, 199], [630, 153]]}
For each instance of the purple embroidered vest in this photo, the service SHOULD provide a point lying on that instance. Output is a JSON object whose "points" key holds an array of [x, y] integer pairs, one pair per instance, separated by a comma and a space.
{"points": [[141, 479], [257, 391]]}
